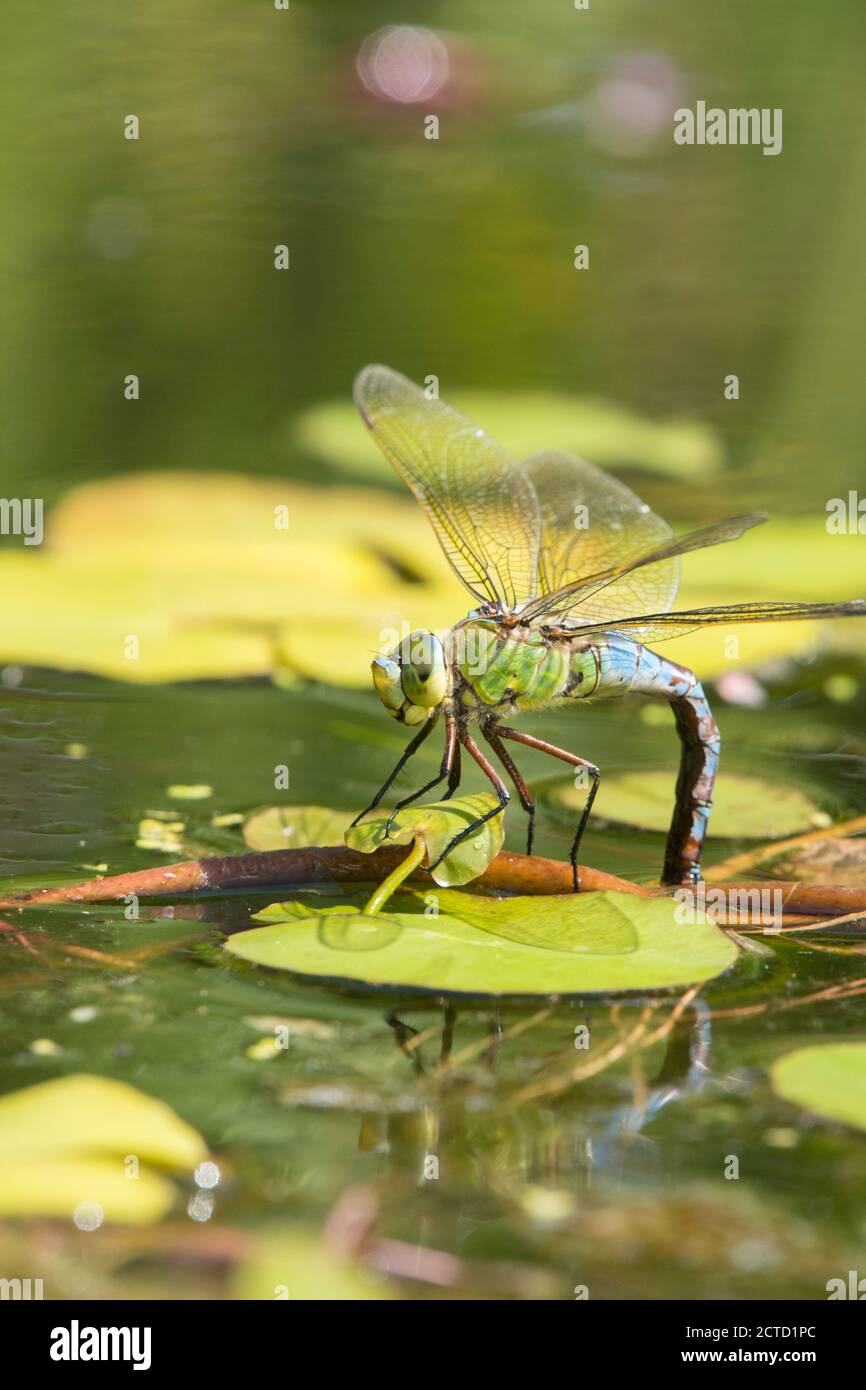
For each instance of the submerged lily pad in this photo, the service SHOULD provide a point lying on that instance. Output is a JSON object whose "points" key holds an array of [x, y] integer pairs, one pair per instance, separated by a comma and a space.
{"points": [[744, 807], [576, 944], [828, 1078], [294, 827], [66, 1144], [438, 823]]}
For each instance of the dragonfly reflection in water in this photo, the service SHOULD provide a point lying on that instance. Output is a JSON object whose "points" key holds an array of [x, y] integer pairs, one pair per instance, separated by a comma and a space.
{"points": [[563, 609]]}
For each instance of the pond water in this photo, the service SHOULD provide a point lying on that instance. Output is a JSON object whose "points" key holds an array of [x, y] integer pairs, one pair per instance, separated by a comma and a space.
{"points": [[458, 1115]]}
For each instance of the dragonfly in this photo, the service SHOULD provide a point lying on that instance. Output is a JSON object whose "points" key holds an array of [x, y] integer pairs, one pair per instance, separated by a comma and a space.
{"points": [[571, 575]]}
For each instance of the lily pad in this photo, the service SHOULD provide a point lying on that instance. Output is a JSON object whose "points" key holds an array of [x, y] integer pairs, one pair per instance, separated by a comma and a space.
{"points": [[294, 827], [437, 824], [214, 580], [298, 1266], [342, 927], [829, 1079], [519, 949], [526, 421], [744, 807], [716, 651], [66, 1144], [544, 925]]}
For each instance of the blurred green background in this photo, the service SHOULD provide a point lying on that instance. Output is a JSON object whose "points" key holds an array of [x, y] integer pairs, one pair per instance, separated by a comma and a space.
{"points": [[451, 256]]}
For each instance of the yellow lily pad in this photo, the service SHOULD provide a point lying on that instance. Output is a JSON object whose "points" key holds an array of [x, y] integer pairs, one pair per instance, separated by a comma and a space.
{"points": [[297, 1266], [68, 1143]]}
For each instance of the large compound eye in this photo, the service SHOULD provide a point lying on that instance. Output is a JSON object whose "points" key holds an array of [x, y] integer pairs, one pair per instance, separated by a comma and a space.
{"points": [[386, 679], [423, 670]]}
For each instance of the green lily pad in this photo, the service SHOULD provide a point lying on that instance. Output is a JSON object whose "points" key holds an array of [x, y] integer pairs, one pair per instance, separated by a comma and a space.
{"points": [[438, 823], [294, 827], [526, 946], [744, 807], [342, 927], [526, 421], [65, 1144], [544, 926], [829, 1079]]}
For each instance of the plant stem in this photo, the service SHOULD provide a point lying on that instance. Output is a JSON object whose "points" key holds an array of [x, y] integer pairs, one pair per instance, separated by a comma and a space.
{"points": [[380, 896], [509, 873]]}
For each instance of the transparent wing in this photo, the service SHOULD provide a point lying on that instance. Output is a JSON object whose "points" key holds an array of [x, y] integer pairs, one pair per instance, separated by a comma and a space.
{"points": [[593, 524], [660, 627], [480, 503], [628, 589]]}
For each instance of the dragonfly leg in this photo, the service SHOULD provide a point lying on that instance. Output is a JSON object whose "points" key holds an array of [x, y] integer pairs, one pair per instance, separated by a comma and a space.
{"points": [[454, 774], [518, 736], [424, 732], [445, 768], [499, 786], [489, 730]]}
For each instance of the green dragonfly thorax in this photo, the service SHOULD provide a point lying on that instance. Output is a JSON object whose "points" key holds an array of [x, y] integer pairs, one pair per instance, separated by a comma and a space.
{"points": [[519, 666], [485, 664]]}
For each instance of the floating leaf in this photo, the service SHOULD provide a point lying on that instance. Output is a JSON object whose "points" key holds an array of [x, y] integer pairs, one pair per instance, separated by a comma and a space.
{"points": [[65, 1142], [158, 834], [214, 578], [437, 824], [209, 584], [718, 651], [294, 827], [265, 1050], [97, 1187], [526, 421], [342, 927], [744, 807], [827, 1078], [575, 950], [300, 1267], [195, 791], [547, 923], [543, 926], [768, 563]]}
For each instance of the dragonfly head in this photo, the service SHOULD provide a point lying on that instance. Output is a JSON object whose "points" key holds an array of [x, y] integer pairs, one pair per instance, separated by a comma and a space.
{"points": [[413, 680]]}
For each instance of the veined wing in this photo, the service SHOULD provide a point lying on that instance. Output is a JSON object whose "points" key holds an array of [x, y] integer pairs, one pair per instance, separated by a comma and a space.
{"points": [[618, 591], [592, 525], [660, 627], [480, 503]]}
